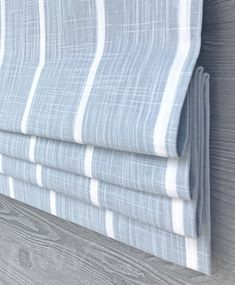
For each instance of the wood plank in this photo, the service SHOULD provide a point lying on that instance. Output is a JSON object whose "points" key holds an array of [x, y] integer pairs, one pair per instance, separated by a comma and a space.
{"points": [[218, 57]]}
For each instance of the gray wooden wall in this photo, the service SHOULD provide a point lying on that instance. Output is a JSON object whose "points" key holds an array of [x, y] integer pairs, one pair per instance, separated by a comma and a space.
{"points": [[37, 248]]}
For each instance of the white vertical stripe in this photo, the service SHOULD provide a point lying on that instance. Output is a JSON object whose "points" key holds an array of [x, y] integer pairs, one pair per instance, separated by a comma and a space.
{"points": [[39, 175], [94, 192], [1, 169], [191, 253], [11, 187], [53, 202], [109, 224], [170, 177], [2, 30], [177, 214], [100, 34], [88, 161], [32, 145], [39, 68], [183, 48]]}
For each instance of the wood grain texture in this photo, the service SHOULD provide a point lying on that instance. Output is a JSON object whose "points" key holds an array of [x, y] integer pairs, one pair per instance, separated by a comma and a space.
{"points": [[37, 248], [218, 57]]}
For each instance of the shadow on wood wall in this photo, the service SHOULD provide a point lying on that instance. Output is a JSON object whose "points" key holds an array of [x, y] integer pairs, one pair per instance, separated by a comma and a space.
{"points": [[218, 58]]}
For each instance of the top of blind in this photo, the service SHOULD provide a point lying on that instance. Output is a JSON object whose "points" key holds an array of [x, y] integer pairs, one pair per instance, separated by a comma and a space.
{"points": [[108, 73]]}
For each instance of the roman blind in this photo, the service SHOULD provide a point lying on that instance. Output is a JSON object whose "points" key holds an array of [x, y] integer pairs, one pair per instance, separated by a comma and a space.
{"points": [[104, 119]]}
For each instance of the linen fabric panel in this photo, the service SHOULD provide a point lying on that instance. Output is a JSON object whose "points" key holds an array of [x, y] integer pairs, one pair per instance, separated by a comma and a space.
{"points": [[176, 216], [104, 119], [185, 251], [155, 210], [130, 170], [112, 74]]}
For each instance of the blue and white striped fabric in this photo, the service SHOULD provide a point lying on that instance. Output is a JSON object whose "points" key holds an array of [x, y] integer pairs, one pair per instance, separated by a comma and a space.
{"points": [[156, 175], [155, 210], [114, 73], [104, 119], [186, 251]]}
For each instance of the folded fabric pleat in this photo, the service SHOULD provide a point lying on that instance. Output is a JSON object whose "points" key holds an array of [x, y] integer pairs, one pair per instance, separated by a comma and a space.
{"points": [[140, 172], [158, 211], [186, 251], [174, 215], [157, 175], [177, 216]]}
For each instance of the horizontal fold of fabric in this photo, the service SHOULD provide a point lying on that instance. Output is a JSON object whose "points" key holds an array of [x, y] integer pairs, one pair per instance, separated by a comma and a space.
{"points": [[174, 215], [185, 251]]}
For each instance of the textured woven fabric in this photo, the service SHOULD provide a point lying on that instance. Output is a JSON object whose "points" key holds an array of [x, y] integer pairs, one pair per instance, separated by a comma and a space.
{"points": [[104, 119], [193, 253], [114, 73], [150, 209], [173, 215], [140, 172]]}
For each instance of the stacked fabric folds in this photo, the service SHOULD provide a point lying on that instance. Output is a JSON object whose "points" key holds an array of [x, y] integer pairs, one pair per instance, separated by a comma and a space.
{"points": [[104, 119]]}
